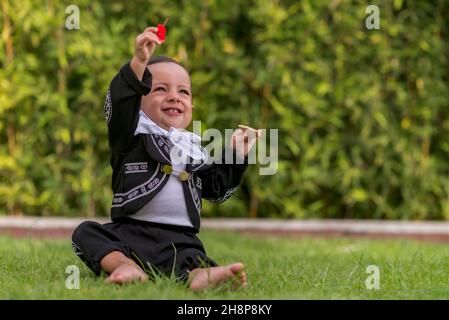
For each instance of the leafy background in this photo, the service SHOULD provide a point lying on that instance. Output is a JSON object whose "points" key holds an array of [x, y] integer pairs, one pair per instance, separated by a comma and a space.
{"points": [[362, 114]]}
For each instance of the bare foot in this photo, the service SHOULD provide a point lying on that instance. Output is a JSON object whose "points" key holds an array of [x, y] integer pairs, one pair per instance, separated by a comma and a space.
{"points": [[203, 278], [126, 273]]}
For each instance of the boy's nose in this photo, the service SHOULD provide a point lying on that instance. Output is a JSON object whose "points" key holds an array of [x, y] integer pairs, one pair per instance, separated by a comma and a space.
{"points": [[173, 97]]}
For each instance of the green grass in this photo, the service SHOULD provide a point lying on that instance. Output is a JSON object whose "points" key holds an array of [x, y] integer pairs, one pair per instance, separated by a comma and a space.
{"points": [[277, 268]]}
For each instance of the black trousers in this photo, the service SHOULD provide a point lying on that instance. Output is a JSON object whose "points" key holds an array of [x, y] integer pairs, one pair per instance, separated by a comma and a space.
{"points": [[155, 247]]}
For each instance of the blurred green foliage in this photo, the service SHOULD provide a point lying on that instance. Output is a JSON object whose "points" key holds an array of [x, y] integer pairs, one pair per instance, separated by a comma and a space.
{"points": [[362, 114]]}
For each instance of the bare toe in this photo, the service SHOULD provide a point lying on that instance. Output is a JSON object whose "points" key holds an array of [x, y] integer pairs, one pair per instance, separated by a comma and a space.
{"points": [[203, 278], [243, 279], [236, 267], [126, 273]]}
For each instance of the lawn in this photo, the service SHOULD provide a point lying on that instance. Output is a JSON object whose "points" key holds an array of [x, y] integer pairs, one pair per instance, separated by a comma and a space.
{"points": [[277, 268]]}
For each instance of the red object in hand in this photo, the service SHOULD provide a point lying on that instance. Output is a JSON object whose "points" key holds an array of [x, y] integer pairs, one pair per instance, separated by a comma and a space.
{"points": [[161, 30]]}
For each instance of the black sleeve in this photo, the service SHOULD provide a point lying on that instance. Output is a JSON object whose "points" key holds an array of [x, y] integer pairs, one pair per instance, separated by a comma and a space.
{"points": [[122, 106], [221, 180]]}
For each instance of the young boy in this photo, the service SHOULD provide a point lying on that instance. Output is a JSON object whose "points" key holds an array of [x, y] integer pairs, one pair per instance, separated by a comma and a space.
{"points": [[157, 201]]}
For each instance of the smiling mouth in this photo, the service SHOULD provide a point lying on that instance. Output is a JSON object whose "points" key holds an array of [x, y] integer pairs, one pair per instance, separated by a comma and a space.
{"points": [[172, 111]]}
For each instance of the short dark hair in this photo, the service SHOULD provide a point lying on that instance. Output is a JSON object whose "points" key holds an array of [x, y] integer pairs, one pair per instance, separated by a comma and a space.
{"points": [[160, 59]]}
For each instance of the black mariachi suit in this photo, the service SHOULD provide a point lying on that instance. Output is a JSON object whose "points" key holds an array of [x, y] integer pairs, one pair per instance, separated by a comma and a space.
{"points": [[137, 163], [137, 160]]}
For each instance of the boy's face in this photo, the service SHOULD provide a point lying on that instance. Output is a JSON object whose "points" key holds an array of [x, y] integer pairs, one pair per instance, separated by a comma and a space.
{"points": [[169, 103]]}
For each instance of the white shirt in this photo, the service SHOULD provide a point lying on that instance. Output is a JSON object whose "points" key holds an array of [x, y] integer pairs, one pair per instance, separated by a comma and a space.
{"points": [[169, 205]]}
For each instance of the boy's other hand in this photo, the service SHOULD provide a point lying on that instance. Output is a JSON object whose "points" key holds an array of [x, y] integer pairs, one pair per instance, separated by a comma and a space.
{"points": [[243, 140]]}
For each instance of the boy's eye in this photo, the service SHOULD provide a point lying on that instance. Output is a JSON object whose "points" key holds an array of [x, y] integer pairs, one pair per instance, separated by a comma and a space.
{"points": [[185, 92], [159, 89]]}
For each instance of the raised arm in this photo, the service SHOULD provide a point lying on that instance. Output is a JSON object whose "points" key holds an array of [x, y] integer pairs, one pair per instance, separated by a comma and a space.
{"points": [[125, 92]]}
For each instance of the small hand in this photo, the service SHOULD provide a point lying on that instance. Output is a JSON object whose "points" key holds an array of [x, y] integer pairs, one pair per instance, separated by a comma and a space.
{"points": [[145, 44], [244, 138]]}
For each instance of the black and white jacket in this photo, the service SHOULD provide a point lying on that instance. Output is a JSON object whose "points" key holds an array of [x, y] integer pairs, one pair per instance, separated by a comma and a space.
{"points": [[139, 162]]}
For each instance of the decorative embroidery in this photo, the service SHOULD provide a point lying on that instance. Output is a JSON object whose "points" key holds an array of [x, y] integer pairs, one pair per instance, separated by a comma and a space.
{"points": [[228, 193], [120, 199], [108, 107], [148, 187], [199, 183], [76, 249], [136, 167], [160, 143], [163, 144], [194, 193]]}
